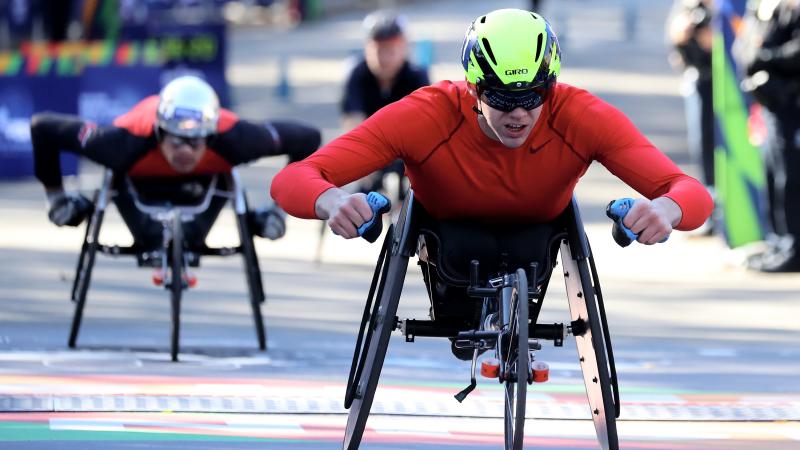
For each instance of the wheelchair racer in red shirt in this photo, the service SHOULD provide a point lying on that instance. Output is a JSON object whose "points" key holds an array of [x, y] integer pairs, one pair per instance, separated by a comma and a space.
{"points": [[507, 145]]}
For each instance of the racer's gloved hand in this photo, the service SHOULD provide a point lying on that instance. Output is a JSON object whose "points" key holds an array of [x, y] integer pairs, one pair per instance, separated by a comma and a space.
{"points": [[68, 209], [618, 209], [269, 222], [371, 229]]}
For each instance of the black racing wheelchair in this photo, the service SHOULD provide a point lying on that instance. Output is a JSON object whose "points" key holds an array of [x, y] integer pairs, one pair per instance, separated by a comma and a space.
{"points": [[492, 305], [169, 219]]}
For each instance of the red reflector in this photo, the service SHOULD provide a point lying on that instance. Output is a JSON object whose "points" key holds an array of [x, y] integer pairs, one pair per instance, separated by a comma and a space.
{"points": [[490, 368], [541, 371]]}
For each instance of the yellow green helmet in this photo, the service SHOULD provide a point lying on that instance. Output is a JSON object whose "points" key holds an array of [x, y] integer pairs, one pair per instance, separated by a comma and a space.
{"points": [[511, 49]]}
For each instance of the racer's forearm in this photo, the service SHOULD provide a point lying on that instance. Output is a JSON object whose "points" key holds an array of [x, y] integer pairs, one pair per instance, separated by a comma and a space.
{"points": [[296, 139], [248, 141], [329, 201], [693, 202], [50, 133], [297, 187]]}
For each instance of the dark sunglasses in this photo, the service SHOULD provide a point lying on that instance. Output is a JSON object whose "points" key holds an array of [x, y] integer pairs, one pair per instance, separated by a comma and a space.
{"points": [[178, 141], [507, 101]]}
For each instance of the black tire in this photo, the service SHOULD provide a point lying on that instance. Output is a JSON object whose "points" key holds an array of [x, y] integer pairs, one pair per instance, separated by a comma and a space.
{"points": [[81, 258], [599, 387], [517, 365], [370, 310], [176, 283], [381, 324], [588, 325], [253, 274], [83, 273]]}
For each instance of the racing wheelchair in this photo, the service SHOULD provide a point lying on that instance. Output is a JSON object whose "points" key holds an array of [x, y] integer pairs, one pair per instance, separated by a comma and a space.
{"points": [[493, 307], [169, 218]]}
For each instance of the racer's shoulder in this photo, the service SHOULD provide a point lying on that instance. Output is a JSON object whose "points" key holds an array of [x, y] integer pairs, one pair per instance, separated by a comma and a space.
{"points": [[227, 119], [445, 94], [570, 103], [567, 96], [140, 119]]}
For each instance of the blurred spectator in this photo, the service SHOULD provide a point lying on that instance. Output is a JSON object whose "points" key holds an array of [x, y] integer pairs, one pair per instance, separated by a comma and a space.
{"points": [[100, 19], [16, 22], [56, 16], [25, 20], [382, 76], [689, 33], [537, 5], [771, 56]]}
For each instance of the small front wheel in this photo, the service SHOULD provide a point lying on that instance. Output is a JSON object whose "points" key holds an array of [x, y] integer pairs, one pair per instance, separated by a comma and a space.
{"points": [[516, 361]]}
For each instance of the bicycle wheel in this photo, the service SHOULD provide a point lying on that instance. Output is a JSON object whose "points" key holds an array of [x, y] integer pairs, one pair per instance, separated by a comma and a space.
{"points": [[83, 273], [176, 283], [592, 351], [517, 364], [253, 275], [381, 324]]}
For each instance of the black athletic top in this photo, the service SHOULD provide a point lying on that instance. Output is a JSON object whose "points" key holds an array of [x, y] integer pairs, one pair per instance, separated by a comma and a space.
{"points": [[130, 145], [363, 93]]}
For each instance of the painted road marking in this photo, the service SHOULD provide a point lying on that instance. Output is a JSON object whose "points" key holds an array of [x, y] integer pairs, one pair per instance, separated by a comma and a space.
{"points": [[277, 396], [552, 433]]}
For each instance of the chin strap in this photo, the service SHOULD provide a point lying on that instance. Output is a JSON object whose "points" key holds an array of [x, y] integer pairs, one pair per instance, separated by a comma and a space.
{"points": [[478, 110]]}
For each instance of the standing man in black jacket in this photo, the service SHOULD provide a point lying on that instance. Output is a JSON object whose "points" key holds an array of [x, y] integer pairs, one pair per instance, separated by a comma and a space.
{"points": [[773, 71], [382, 76]]}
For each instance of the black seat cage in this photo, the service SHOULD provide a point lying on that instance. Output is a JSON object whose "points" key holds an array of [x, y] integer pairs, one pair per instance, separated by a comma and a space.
{"points": [[229, 188]]}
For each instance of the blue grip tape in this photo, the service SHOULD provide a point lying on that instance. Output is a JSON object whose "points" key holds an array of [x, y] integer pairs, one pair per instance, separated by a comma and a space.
{"points": [[371, 229], [616, 211]]}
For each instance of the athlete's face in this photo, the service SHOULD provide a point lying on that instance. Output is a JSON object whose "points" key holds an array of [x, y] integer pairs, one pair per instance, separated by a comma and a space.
{"points": [[385, 57], [510, 128], [183, 154]]}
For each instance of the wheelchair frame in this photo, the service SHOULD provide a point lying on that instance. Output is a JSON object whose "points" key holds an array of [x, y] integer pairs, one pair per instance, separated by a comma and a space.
{"points": [[171, 256], [588, 325]]}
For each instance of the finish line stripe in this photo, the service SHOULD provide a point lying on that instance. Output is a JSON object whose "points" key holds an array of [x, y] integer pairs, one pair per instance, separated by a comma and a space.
{"points": [[404, 402]]}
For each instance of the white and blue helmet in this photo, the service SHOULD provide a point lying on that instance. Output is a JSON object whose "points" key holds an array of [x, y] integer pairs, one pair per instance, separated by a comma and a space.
{"points": [[188, 107]]}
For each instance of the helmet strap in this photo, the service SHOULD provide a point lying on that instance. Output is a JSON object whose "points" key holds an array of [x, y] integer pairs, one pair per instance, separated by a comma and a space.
{"points": [[478, 110]]}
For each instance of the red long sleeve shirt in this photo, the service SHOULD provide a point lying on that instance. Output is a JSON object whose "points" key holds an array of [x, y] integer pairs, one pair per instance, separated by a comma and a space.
{"points": [[458, 172]]}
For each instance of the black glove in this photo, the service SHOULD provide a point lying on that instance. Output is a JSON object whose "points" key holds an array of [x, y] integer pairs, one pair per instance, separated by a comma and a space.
{"points": [[269, 222], [69, 209]]}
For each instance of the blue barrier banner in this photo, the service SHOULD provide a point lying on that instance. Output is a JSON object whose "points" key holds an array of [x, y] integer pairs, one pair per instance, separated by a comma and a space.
{"points": [[739, 171], [99, 80], [20, 97]]}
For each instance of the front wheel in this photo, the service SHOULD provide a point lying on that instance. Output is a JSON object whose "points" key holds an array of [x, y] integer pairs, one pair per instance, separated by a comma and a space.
{"points": [[253, 275], [176, 283], [381, 323], [517, 364], [83, 272]]}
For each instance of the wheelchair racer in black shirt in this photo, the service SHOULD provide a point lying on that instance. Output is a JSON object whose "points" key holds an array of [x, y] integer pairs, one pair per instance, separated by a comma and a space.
{"points": [[180, 133]]}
